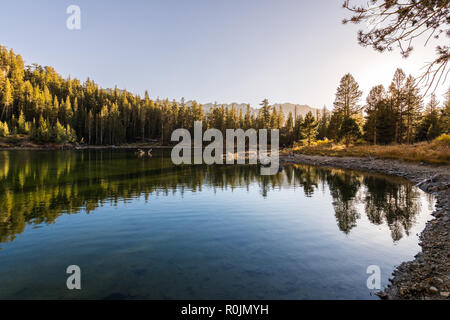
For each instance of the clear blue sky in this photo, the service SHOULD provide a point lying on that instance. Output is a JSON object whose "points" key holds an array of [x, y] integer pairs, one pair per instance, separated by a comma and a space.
{"points": [[207, 50]]}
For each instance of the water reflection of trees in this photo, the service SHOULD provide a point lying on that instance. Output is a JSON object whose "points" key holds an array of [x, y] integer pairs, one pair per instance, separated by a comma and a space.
{"points": [[344, 188], [395, 204], [37, 187]]}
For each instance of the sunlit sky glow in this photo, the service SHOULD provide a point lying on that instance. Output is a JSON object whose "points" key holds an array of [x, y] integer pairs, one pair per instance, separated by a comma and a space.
{"points": [[208, 50]]}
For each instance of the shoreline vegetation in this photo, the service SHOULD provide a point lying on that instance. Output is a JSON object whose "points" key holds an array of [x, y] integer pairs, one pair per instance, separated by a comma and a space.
{"points": [[5, 146], [434, 152]]}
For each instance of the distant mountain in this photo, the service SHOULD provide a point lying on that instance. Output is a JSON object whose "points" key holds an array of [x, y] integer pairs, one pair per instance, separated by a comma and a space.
{"points": [[295, 109], [286, 108]]}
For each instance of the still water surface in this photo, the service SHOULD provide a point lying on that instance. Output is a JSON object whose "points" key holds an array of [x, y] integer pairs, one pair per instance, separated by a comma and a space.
{"points": [[141, 228]]}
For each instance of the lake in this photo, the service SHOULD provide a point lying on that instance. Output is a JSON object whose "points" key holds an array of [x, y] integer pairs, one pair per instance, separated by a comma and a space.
{"points": [[142, 228]]}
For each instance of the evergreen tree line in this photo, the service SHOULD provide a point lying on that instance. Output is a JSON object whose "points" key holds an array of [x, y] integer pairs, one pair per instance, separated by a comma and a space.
{"points": [[396, 115], [37, 101]]}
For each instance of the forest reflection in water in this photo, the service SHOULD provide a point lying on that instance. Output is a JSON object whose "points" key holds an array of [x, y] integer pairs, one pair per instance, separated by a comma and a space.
{"points": [[39, 186]]}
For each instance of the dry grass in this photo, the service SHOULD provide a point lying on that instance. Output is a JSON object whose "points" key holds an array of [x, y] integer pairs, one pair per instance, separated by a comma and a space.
{"points": [[435, 152]]}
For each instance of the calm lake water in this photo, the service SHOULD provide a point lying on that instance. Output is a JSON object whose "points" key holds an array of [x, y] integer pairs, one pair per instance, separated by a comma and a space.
{"points": [[142, 228]]}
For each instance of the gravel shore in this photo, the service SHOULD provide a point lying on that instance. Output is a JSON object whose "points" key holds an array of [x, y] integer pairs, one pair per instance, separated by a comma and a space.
{"points": [[428, 275]]}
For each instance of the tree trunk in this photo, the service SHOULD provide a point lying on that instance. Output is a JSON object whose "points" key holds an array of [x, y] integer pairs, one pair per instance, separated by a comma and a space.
{"points": [[375, 134]]}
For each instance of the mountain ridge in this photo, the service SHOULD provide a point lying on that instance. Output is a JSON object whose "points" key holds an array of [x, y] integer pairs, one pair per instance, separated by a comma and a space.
{"points": [[286, 108]]}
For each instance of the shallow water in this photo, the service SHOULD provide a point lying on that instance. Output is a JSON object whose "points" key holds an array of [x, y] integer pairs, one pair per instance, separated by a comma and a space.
{"points": [[142, 228]]}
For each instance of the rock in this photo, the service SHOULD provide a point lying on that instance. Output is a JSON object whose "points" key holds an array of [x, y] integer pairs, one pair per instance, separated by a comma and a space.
{"points": [[403, 291], [439, 280], [383, 295], [434, 178], [439, 214], [433, 290]]}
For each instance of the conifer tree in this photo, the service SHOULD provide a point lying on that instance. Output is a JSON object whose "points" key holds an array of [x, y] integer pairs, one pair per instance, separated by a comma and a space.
{"points": [[373, 103], [349, 130], [265, 114], [23, 127], [429, 127], [322, 130], [397, 93], [347, 97], [6, 99], [413, 108], [4, 130], [445, 114], [310, 128]]}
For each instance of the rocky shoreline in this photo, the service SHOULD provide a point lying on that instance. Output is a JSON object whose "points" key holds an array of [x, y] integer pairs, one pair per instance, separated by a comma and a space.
{"points": [[428, 275]]}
